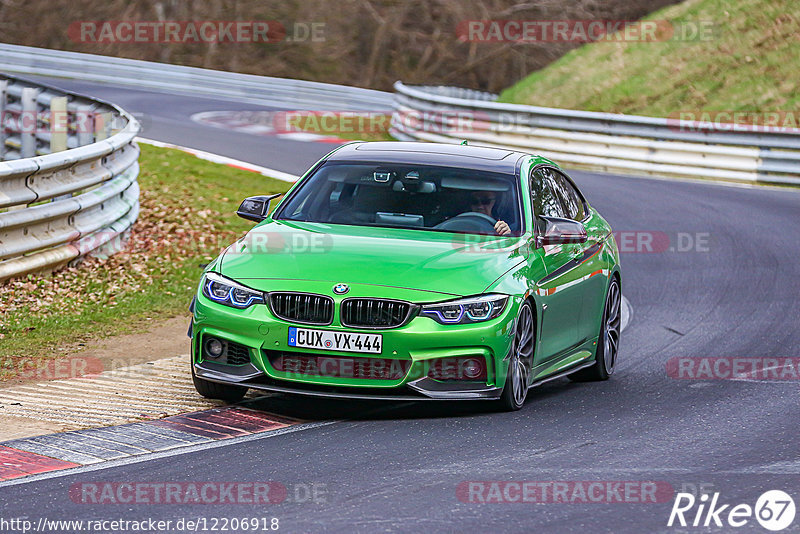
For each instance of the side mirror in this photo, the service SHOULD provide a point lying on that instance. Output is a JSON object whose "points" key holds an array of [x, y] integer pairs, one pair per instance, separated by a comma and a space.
{"points": [[255, 208], [558, 231]]}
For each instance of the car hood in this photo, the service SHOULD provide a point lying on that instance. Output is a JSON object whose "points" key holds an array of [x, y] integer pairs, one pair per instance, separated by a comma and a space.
{"points": [[439, 262]]}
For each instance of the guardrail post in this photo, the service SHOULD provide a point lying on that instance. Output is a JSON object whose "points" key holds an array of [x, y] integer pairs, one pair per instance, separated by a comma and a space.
{"points": [[102, 126], [84, 124], [59, 129], [30, 122], [3, 100], [59, 124]]}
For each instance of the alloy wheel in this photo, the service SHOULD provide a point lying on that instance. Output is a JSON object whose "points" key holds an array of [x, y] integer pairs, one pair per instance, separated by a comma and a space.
{"points": [[521, 361], [611, 328]]}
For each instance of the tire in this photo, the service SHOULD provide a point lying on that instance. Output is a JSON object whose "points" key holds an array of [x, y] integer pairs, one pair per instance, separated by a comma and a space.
{"points": [[520, 362], [213, 390], [605, 360]]}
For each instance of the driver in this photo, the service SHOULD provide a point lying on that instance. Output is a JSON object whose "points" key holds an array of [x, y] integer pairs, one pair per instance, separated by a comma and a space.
{"points": [[483, 202]]}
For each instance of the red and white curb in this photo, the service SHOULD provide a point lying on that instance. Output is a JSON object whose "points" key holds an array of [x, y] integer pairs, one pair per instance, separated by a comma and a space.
{"points": [[139, 392], [119, 414], [224, 160], [56, 452]]}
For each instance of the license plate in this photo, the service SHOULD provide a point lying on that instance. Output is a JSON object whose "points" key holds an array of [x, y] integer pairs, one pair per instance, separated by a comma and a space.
{"points": [[341, 341]]}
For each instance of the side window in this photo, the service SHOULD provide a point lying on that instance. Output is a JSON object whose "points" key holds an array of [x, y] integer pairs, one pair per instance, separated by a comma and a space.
{"points": [[544, 199], [569, 196]]}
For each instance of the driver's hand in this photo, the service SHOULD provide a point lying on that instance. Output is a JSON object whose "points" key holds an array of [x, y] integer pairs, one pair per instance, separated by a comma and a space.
{"points": [[502, 228]]}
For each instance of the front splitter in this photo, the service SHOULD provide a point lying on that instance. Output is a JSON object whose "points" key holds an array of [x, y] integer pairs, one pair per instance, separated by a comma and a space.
{"points": [[424, 389]]}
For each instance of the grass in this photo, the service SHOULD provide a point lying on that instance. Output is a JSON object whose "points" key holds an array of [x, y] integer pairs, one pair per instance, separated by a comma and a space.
{"points": [[187, 217], [749, 62]]}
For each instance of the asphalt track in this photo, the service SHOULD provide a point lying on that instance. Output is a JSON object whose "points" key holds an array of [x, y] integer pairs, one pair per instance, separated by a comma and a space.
{"points": [[396, 467]]}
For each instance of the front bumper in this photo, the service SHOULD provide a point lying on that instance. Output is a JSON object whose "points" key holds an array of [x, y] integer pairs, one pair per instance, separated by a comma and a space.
{"points": [[417, 390], [415, 347]]}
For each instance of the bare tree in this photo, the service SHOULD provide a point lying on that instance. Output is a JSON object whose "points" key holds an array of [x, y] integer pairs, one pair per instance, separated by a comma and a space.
{"points": [[369, 43]]}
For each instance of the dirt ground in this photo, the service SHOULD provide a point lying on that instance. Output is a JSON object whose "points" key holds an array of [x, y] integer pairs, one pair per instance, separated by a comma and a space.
{"points": [[163, 340]]}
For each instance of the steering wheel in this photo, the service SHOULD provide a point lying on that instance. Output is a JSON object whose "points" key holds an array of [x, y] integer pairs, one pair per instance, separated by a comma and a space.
{"points": [[471, 221]]}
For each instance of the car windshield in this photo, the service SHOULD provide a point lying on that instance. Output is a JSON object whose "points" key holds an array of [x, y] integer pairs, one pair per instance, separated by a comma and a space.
{"points": [[421, 197]]}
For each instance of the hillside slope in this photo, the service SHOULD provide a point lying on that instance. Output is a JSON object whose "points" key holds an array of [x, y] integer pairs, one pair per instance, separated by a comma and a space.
{"points": [[749, 63]]}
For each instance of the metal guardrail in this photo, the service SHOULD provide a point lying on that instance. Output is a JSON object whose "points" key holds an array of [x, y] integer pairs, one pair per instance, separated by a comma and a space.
{"points": [[607, 142], [68, 179], [191, 81]]}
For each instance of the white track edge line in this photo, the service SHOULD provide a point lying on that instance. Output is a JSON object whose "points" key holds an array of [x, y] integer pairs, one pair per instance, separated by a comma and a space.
{"points": [[224, 160]]}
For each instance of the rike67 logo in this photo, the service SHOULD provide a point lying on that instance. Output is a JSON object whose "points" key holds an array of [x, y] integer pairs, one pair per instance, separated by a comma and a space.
{"points": [[774, 510]]}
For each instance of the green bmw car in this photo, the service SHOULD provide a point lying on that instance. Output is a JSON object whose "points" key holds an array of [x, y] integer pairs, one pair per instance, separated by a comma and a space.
{"points": [[412, 271]]}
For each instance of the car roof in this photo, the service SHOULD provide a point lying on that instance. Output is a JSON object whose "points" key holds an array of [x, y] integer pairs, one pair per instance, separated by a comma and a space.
{"points": [[447, 155]]}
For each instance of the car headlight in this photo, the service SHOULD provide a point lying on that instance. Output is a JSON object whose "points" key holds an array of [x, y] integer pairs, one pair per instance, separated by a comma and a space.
{"points": [[466, 310], [226, 291]]}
